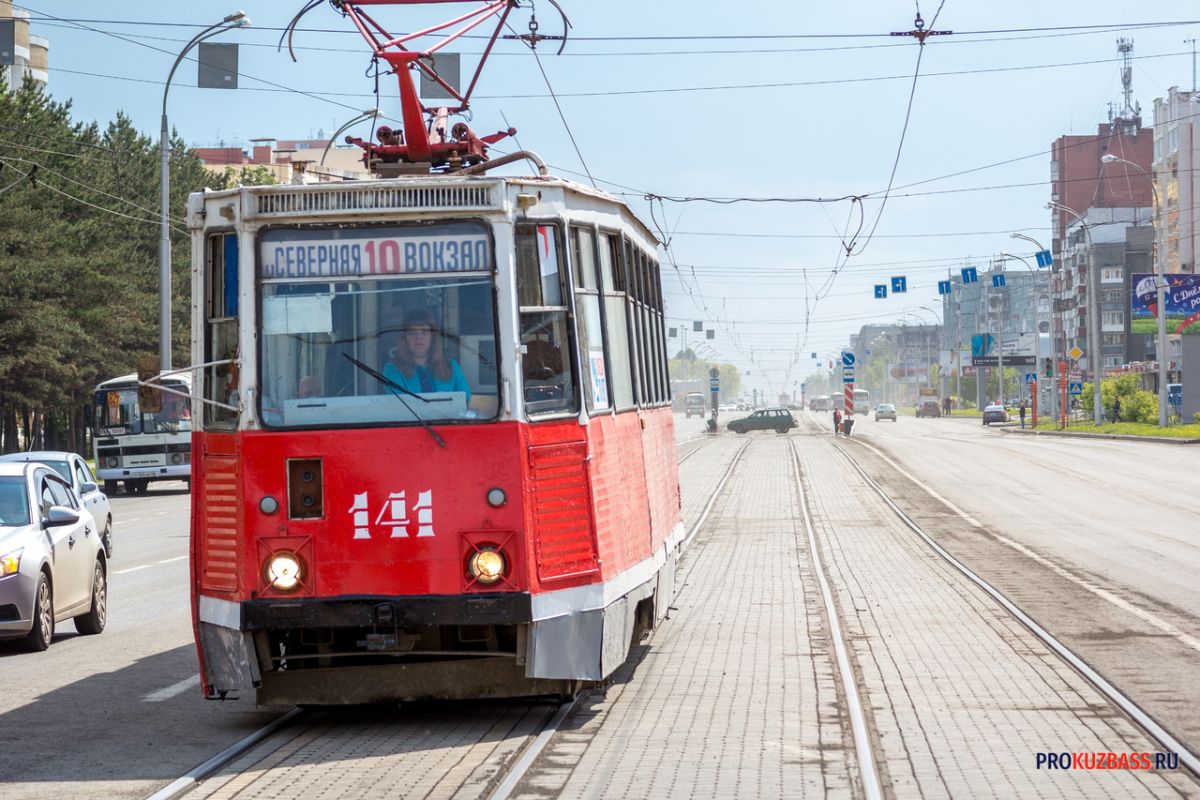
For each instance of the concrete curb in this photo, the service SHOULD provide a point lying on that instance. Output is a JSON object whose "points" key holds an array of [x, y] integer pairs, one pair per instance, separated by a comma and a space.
{"points": [[1118, 436]]}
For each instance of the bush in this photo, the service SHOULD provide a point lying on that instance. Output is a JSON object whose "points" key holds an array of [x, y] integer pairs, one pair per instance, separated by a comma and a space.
{"points": [[1196, 417], [1137, 405], [1141, 407]]}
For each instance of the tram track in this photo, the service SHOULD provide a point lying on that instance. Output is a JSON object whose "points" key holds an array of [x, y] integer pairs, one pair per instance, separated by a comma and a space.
{"points": [[1145, 721], [270, 747]]}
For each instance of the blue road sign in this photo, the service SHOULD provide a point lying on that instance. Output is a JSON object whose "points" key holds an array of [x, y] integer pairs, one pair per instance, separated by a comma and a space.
{"points": [[899, 284], [943, 287], [847, 358], [814, 356], [970, 275], [998, 279], [714, 384], [880, 291], [1044, 259], [1076, 388], [1030, 378]]}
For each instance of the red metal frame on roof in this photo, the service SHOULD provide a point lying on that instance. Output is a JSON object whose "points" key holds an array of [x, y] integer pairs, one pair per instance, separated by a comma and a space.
{"points": [[428, 141]]}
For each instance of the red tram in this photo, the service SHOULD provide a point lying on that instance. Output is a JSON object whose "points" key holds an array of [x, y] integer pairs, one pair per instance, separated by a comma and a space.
{"points": [[433, 453]]}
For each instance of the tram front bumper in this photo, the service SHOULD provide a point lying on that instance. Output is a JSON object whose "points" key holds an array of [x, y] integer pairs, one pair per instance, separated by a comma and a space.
{"points": [[508, 608]]}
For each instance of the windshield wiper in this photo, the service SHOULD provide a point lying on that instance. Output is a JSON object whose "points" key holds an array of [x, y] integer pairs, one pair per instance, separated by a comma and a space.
{"points": [[391, 384]]}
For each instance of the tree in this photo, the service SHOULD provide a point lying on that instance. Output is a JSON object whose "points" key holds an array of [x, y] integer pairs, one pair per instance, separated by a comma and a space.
{"points": [[79, 230]]}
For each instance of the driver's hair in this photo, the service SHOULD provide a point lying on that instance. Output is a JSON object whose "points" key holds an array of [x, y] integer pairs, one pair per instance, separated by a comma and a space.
{"points": [[402, 356]]}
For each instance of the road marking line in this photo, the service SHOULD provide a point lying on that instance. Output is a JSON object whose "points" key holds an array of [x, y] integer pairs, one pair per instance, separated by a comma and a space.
{"points": [[132, 569], [173, 690], [131, 519], [171, 560], [1118, 601]]}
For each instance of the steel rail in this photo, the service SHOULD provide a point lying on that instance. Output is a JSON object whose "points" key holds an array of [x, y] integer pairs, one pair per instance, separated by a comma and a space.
{"points": [[522, 765], [1151, 726], [199, 773], [858, 721]]}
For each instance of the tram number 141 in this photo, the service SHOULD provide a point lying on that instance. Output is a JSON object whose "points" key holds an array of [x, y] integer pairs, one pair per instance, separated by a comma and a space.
{"points": [[392, 516]]}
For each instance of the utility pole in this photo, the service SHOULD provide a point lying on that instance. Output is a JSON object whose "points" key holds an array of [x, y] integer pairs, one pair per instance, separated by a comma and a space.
{"points": [[1192, 42]]}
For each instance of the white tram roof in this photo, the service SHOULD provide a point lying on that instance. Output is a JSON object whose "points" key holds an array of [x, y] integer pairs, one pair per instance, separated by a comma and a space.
{"points": [[182, 377], [428, 194]]}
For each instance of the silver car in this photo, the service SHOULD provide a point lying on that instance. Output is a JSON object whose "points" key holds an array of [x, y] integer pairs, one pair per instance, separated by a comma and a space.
{"points": [[885, 411], [75, 471], [52, 562]]}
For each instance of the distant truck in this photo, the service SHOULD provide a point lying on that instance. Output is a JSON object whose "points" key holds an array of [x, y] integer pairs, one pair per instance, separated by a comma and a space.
{"points": [[694, 404]]}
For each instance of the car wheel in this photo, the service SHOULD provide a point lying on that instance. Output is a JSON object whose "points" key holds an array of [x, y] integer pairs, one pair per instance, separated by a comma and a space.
{"points": [[93, 621], [106, 538], [43, 617], [781, 429]]}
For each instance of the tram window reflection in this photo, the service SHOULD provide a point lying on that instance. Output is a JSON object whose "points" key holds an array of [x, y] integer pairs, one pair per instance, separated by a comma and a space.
{"points": [[353, 352]]}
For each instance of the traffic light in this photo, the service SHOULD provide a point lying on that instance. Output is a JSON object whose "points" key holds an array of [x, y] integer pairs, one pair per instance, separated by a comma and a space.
{"points": [[149, 398], [1048, 367]]}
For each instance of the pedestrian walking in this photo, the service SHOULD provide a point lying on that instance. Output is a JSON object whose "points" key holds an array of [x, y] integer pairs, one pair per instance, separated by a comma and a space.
{"points": [[1021, 411], [1117, 409], [837, 421]]}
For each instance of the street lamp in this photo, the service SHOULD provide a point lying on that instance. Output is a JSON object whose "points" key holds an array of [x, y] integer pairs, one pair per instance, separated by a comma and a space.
{"points": [[1160, 286], [237, 19], [370, 113], [1095, 359], [1037, 313]]}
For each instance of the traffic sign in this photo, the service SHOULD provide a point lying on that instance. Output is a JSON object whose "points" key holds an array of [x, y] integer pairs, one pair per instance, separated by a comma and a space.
{"points": [[847, 358], [848, 377], [1044, 259], [880, 291], [1030, 378], [899, 284], [1076, 353], [714, 384], [998, 280], [1076, 388], [943, 287], [970, 275]]}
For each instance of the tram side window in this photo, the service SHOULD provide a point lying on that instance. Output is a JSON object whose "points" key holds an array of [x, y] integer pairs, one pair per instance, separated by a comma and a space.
{"points": [[588, 318], [221, 329], [547, 373], [616, 324]]}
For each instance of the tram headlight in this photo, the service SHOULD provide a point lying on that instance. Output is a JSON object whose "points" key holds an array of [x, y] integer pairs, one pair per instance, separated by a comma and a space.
{"points": [[284, 571], [487, 565]]}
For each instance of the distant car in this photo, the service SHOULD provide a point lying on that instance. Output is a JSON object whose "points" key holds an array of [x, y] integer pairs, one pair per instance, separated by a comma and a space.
{"points": [[995, 413], [885, 411], [929, 408], [75, 471], [779, 420], [52, 563]]}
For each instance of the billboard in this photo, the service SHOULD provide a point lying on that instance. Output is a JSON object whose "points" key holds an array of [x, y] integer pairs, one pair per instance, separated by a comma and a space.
{"points": [[1182, 297], [1019, 349], [950, 360], [908, 372]]}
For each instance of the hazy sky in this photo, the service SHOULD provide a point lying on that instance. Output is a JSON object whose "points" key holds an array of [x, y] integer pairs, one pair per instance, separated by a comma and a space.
{"points": [[809, 103]]}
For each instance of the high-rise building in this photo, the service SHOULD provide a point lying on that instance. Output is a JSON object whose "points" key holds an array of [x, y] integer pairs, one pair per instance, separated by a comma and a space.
{"points": [[22, 54], [1176, 156]]}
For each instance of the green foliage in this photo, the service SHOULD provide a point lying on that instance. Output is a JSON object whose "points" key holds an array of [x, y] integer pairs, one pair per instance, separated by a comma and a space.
{"points": [[687, 366], [79, 233], [1137, 404]]}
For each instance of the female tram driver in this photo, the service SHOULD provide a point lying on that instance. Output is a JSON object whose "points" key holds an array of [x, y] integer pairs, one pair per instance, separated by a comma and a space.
{"points": [[418, 362]]}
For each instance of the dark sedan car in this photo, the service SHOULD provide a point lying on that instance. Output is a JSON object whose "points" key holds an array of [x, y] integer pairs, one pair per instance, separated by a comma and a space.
{"points": [[779, 420], [994, 413]]}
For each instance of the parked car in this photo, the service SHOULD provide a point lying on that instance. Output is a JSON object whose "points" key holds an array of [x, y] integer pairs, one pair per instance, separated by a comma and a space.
{"points": [[885, 411], [929, 408], [52, 563], [779, 420], [995, 413], [75, 471]]}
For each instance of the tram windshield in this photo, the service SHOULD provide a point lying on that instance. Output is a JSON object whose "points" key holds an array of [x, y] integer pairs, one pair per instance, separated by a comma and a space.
{"points": [[377, 326]]}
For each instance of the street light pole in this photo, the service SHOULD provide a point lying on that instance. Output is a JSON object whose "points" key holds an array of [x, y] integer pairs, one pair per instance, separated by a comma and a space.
{"points": [[1160, 285], [1095, 359], [236, 20]]}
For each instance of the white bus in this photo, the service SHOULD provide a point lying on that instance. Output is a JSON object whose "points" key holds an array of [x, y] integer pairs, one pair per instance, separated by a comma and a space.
{"points": [[136, 448], [862, 401]]}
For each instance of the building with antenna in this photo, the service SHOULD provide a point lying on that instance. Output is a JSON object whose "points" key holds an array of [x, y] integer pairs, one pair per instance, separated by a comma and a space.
{"points": [[1110, 198]]}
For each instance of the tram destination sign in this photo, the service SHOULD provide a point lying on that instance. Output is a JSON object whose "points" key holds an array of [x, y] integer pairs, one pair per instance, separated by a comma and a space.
{"points": [[291, 254]]}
